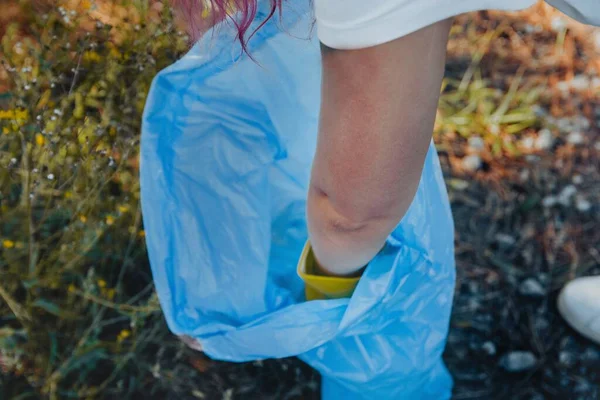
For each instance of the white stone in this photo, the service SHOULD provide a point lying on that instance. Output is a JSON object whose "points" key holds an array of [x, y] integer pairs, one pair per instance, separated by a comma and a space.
{"points": [[476, 143], [531, 287], [558, 24], [549, 201], [471, 162], [489, 347], [575, 138], [545, 140], [580, 82], [582, 204], [518, 361], [565, 195]]}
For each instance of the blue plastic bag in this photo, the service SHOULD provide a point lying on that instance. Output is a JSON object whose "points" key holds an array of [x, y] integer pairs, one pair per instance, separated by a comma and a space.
{"points": [[227, 145]]}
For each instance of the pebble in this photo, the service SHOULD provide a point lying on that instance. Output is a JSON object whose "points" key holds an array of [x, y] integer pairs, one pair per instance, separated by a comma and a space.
{"points": [[558, 24], [505, 239], [489, 347], [590, 354], [518, 361], [531, 287], [582, 204], [580, 82], [528, 142], [566, 358], [564, 124], [564, 197], [575, 138], [577, 179], [471, 162], [476, 143], [549, 201], [545, 140]]}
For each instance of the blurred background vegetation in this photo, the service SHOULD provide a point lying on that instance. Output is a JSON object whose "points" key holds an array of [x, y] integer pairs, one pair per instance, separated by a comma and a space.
{"points": [[517, 134]]}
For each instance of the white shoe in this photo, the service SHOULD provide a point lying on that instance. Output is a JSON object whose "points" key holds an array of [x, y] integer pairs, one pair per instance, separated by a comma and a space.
{"points": [[579, 304]]}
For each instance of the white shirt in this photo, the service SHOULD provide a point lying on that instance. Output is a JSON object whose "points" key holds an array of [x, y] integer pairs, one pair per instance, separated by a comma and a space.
{"points": [[353, 24]]}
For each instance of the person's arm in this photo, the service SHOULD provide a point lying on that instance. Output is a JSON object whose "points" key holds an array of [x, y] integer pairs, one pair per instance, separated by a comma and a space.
{"points": [[377, 113]]}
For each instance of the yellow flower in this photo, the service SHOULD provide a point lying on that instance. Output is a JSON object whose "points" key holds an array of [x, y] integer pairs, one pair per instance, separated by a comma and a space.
{"points": [[91, 56], [68, 195], [124, 334], [110, 220], [101, 283], [71, 288], [5, 130], [39, 139], [123, 209], [110, 293], [14, 114], [8, 244], [142, 234], [82, 218]]}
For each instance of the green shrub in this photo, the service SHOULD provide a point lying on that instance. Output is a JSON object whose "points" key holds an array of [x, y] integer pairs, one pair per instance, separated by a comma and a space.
{"points": [[78, 309]]}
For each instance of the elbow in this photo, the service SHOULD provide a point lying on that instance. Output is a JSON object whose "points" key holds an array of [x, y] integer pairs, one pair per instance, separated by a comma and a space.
{"points": [[347, 215], [345, 240]]}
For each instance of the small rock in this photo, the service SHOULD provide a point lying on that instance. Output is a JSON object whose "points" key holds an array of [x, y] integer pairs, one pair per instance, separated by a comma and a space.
{"points": [[545, 140], [558, 24], [566, 358], [563, 124], [471, 162], [458, 184], [590, 354], [582, 204], [563, 86], [575, 138], [489, 347], [580, 82], [577, 179], [505, 239], [581, 123], [524, 175], [518, 361], [528, 142], [532, 288], [549, 201], [476, 143], [565, 195]]}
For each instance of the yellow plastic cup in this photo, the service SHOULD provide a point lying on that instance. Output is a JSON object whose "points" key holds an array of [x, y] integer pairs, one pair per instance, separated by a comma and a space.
{"points": [[320, 287]]}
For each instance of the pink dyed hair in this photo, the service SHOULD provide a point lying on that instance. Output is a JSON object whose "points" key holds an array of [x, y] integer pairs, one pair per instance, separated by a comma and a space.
{"points": [[240, 12]]}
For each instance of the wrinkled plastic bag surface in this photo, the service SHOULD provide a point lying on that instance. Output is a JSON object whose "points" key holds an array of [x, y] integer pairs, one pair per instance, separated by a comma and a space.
{"points": [[227, 145]]}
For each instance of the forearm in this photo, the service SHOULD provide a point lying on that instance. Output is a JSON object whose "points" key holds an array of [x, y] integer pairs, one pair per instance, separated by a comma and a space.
{"points": [[377, 113]]}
